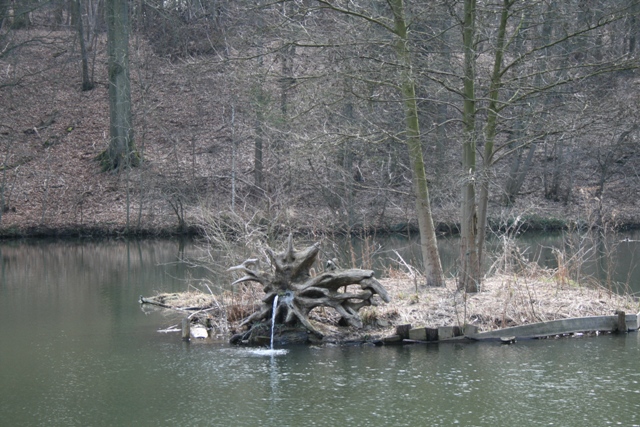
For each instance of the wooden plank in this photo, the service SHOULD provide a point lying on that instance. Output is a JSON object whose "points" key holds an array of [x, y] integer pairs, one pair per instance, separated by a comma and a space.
{"points": [[633, 321], [432, 334], [447, 332], [392, 339], [470, 330], [403, 330], [186, 328], [418, 334], [561, 326], [622, 322]]}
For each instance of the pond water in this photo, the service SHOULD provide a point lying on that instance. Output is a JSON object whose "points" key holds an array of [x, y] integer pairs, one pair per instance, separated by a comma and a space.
{"points": [[77, 350]]}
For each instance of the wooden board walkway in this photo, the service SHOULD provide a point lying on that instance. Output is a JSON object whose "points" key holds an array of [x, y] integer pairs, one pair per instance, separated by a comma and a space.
{"points": [[620, 322], [564, 326]]}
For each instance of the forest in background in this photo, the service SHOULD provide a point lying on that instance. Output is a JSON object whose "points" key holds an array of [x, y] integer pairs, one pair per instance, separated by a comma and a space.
{"points": [[292, 115]]}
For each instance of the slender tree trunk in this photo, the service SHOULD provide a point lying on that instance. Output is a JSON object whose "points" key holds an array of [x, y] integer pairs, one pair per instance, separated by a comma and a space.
{"points": [[428, 242], [552, 190], [441, 113], [58, 12], [519, 168], [518, 172], [261, 105], [87, 84], [634, 31], [469, 276], [4, 8], [121, 152], [234, 155], [258, 156], [21, 14], [491, 131], [348, 187]]}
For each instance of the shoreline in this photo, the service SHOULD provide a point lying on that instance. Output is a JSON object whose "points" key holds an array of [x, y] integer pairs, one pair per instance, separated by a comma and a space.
{"points": [[15, 231]]}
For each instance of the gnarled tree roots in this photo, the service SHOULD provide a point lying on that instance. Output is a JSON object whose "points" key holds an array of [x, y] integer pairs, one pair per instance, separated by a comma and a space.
{"points": [[298, 293]]}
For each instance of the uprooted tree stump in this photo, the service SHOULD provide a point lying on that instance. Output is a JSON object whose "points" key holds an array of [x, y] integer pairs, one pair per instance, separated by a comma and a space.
{"points": [[290, 280]]}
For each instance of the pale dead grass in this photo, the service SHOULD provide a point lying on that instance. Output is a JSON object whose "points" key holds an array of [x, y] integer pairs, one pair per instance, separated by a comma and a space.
{"points": [[504, 300], [223, 311]]}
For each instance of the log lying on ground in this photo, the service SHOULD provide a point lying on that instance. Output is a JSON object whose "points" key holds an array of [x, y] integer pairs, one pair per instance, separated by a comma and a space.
{"points": [[298, 292]]}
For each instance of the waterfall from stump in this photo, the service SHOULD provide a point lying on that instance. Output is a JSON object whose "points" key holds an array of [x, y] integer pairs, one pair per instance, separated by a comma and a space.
{"points": [[273, 318], [289, 280]]}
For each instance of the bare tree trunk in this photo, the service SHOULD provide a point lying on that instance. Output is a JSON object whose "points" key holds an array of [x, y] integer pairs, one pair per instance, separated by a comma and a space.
{"points": [[4, 10], [633, 30], [121, 152], [261, 101], [490, 133], [258, 155], [552, 189], [234, 155], [348, 190], [469, 276], [428, 242], [87, 83], [443, 102], [20, 14], [58, 12], [518, 173]]}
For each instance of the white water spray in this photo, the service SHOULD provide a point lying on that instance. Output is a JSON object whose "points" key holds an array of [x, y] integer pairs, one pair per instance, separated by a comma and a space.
{"points": [[273, 318]]}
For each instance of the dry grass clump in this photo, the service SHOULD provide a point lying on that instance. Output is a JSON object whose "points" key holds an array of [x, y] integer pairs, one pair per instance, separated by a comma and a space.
{"points": [[186, 300], [219, 312], [505, 300]]}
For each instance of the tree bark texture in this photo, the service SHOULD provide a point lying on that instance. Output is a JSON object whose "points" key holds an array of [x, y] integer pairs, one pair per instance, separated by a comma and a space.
{"points": [[469, 275], [121, 152]]}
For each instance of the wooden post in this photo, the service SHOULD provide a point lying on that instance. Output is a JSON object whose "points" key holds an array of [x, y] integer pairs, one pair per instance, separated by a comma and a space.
{"points": [[418, 334], [209, 326], [186, 329], [448, 332], [622, 321], [432, 334], [470, 330], [403, 331]]}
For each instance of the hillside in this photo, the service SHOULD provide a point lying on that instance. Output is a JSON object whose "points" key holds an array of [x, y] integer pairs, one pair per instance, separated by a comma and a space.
{"points": [[53, 131], [191, 112]]}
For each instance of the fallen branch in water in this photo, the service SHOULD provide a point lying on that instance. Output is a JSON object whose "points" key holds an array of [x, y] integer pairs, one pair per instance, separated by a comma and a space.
{"points": [[162, 299]]}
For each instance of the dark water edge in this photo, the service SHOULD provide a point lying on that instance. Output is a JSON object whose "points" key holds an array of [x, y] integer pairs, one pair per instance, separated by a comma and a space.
{"points": [[74, 232], [530, 224]]}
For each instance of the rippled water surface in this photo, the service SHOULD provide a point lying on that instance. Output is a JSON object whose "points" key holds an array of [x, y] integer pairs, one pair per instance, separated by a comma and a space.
{"points": [[77, 350]]}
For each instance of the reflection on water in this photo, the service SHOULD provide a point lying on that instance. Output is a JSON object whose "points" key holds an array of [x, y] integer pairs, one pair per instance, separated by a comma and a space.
{"points": [[260, 352], [78, 350]]}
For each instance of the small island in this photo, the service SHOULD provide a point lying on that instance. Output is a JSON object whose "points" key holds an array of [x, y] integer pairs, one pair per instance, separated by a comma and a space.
{"points": [[307, 301]]}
